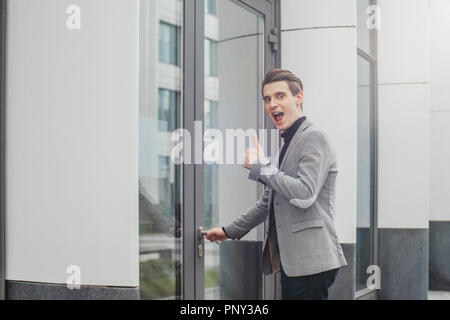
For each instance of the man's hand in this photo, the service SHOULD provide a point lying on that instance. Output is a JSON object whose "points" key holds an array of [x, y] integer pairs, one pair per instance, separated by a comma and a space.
{"points": [[253, 154], [216, 234]]}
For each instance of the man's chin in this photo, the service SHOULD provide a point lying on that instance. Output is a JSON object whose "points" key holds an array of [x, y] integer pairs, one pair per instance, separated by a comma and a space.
{"points": [[281, 127], [278, 126]]}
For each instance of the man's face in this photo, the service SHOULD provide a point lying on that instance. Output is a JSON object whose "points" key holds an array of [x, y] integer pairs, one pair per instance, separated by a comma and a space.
{"points": [[281, 106]]}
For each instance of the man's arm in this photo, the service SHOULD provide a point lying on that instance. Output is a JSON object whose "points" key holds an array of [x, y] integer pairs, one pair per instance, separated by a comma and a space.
{"points": [[250, 219], [312, 171]]}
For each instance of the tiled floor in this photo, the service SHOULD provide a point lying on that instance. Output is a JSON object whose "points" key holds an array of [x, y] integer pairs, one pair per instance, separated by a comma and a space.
{"points": [[438, 295]]}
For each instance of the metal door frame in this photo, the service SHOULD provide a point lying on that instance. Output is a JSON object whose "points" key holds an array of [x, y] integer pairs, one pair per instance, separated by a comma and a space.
{"points": [[371, 58]]}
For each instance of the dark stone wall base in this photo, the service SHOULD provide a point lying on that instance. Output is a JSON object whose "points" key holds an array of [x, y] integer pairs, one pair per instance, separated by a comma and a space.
{"points": [[439, 255], [343, 287], [21, 290], [403, 259]]}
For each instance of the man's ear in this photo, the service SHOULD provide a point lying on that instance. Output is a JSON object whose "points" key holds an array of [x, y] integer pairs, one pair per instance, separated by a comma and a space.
{"points": [[299, 98]]}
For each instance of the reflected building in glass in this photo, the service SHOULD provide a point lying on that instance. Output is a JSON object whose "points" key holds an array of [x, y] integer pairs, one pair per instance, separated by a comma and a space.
{"points": [[160, 111]]}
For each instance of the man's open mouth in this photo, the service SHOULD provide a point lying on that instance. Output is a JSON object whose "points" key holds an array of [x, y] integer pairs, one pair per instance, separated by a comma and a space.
{"points": [[278, 116]]}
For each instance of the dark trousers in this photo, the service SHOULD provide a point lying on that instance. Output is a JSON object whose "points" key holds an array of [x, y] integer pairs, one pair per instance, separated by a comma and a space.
{"points": [[310, 287]]}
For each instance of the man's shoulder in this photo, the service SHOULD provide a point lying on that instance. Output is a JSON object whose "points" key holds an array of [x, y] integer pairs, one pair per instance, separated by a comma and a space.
{"points": [[316, 137], [313, 132]]}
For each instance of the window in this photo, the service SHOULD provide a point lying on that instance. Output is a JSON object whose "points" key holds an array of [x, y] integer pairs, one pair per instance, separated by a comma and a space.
{"points": [[211, 114], [366, 231], [169, 43], [364, 219], [167, 109], [211, 57]]}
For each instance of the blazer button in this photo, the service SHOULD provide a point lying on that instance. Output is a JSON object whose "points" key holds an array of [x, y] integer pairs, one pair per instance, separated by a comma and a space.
{"points": [[277, 203]]}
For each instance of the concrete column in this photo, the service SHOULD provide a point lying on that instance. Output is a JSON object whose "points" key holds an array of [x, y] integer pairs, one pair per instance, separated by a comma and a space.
{"points": [[403, 142]]}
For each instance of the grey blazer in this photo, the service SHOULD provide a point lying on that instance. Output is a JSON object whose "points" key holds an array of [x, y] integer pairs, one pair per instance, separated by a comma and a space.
{"points": [[303, 204]]}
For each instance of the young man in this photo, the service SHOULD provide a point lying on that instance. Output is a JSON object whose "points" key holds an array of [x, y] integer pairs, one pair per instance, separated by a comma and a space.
{"points": [[298, 197]]}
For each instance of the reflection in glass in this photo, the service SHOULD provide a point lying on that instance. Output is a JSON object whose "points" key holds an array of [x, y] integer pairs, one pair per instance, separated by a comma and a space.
{"points": [[211, 170], [364, 181], [233, 72], [160, 83], [169, 45], [210, 57], [167, 109]]}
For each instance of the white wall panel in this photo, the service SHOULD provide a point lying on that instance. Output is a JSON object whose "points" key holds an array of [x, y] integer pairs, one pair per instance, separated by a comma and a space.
{"points": [[72, 115], [403, 156], [439, 55], [403, 41], [297, 14]]}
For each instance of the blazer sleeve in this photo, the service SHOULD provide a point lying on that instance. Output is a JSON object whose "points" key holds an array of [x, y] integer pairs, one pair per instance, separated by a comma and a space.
{"points": [[312, 171], [250, 219]]}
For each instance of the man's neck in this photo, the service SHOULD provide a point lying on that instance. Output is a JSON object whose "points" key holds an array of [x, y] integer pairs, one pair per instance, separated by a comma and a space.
{"points": [[283, 131]]}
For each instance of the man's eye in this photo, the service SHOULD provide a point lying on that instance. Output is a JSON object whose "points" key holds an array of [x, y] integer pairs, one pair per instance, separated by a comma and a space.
{"points": [[280, 96], [266, 100]]}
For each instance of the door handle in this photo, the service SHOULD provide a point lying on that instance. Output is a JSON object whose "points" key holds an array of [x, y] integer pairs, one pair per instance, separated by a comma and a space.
{"points": [[202, 233]]}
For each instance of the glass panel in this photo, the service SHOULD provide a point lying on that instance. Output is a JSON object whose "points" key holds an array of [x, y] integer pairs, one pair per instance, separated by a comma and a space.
{"points": [[363, 32], [211, 57], [167, 109], [233, 70], [211, 170], [169, 45], [364, 244], [160, 110]]}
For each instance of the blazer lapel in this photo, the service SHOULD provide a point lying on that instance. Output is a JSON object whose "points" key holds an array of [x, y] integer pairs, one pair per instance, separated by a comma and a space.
{"points": [[296, 136], [276, 158]]}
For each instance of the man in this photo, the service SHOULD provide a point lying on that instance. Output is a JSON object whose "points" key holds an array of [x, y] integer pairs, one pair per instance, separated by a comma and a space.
{"points": [[298, 197]]}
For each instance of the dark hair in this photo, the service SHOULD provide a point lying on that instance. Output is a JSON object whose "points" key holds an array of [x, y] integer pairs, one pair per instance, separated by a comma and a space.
{"points": [[275, 75]]}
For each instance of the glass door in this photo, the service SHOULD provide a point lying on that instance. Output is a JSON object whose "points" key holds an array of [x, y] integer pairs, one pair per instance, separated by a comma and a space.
{"points": [[236, 56], [160, 179]]}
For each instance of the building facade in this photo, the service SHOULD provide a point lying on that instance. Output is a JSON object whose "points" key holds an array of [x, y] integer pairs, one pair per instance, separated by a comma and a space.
{"points": [[97, 95]]}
